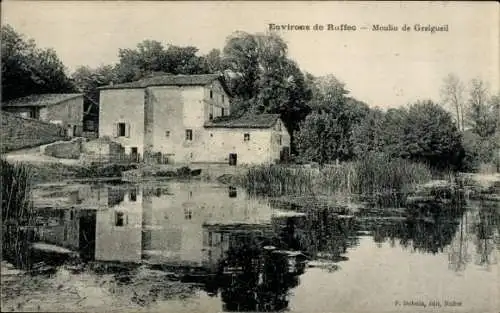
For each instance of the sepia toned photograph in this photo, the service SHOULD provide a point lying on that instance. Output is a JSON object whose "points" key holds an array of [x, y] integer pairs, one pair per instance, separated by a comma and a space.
{"points": [[250, 156]]}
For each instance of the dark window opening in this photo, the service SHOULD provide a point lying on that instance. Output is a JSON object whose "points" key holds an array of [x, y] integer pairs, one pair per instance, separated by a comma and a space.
{"points": [[210, 116], [222, 112], [167, 133], [210, 243], [71, 215], [121, 129], [246, 137], [119, 219], [189, 134], [133, 195], [233, 157], [188, 214], [222, 98], [211, 94], [232, 192], [279, 139]]}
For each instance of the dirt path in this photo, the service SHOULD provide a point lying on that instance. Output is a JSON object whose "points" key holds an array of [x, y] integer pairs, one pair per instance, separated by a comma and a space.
{"points": [[34, 156]]}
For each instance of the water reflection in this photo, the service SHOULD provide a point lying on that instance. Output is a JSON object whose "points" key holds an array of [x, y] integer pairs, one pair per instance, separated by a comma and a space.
{"points": [[240, 248]]}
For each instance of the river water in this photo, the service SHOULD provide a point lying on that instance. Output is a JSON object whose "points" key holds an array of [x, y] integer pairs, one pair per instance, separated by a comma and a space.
{"points": [[195, 246]]}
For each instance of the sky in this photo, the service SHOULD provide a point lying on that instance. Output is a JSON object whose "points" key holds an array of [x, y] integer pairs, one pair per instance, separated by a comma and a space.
{"points": [[383, 68]]}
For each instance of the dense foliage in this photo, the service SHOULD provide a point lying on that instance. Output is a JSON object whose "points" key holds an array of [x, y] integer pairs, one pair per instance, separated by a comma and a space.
{"points": [[423, 132], [27, 69]]}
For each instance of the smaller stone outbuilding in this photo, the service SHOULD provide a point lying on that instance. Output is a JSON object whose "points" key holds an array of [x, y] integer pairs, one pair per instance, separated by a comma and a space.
{"points": [[64, 109], [102, 150], [250, 139]]}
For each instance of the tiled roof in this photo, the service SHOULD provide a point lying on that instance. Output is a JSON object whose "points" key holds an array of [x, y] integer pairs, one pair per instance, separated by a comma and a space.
{"points": [[246, 121], [42, 100], [168, 80]]}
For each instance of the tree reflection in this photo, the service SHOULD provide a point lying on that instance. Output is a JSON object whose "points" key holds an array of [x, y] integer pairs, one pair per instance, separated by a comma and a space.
{"points": [[485, 230], [426, 228], [253, 278], [322, 233]]}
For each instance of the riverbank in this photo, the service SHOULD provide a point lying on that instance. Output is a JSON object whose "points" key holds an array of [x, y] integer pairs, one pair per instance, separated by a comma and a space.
{"points": [[88, 289]]}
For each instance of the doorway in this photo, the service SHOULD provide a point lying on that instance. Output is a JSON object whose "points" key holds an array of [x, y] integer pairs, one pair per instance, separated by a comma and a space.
{"points": [[134, 155], [285, 155], [87, 235], [233, 158]]}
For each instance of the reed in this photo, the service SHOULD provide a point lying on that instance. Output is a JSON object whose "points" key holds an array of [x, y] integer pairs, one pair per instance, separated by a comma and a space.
{"points": [[374, 174], [17, 211], [277, 180]]}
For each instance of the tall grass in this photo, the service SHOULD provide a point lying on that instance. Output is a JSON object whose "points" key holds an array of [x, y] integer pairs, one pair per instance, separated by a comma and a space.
{"points": [[374, 174], [277, 180], [17, 210]]}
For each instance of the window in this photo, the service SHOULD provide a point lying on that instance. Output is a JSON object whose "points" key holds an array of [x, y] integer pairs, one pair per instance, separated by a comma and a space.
{"points": [[189, 134], [246, 137], [71, 215], [210, 116], [188, 214], [119, 219], [222, 112], [211, 94], [133, 195], [222, 99], [279, 139], [122, 129], [232, 192], [167, 133]]}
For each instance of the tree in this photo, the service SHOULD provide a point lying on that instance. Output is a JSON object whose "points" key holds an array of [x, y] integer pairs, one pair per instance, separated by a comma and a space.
{"points": [[265, 80], [431, 136], [28, 70], [241, 56], [452, 96], [213, 61], [318, 138], [151, 56], [368, 135], [329, 94], [88, 80], [483, 111], [393, 132]]}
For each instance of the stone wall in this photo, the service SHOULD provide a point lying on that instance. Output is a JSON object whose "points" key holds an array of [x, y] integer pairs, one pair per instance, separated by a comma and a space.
{"points": [[18, 132], [102, 151], [66, 149]]}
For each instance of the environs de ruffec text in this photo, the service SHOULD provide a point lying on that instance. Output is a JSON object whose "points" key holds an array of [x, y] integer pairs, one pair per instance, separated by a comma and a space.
{"points": [[350, 28]]}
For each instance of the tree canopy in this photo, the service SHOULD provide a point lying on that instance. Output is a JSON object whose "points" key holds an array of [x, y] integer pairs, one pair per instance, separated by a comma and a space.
{"points": [[27, 69]]}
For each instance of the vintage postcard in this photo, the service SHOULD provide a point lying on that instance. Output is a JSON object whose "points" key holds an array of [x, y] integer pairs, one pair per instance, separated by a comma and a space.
{"points": [[182, 156]]}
